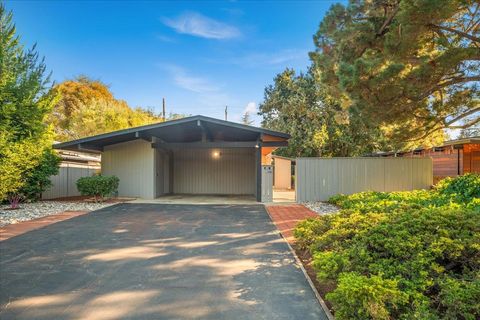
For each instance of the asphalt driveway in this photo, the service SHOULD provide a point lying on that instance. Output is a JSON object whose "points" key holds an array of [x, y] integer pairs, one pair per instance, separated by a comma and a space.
{"points": [[155, 261]]}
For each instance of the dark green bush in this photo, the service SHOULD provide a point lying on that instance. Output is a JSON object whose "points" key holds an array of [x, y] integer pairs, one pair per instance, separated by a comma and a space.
{"points": [[401, 255], [38, 178], [98, 186]]}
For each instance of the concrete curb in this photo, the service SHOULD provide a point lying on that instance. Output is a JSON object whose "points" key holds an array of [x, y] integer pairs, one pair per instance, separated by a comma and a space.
{"points": [[300, 264]]}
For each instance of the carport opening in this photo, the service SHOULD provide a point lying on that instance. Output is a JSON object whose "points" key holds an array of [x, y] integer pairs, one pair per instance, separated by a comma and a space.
{"points": [[202, 172]]}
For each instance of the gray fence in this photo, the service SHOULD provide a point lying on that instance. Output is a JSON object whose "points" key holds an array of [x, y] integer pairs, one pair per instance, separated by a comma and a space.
{"points": [[64, 184], [317, 179]]}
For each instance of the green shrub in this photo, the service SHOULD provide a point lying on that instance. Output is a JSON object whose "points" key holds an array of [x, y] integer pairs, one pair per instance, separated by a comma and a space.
{"points": [[38, 178], [463, 189], [98, 186], [401, 255], [361, 297]]}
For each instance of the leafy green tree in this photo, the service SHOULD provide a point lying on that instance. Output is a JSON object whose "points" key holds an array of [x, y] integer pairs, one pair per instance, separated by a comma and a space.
{"points": [[38, 179], [411, 64], [87, 107], [25, 102], [298, 105]]}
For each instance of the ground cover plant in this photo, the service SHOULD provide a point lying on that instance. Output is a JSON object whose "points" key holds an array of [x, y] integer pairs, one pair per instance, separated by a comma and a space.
{"points": [[401, 255]]}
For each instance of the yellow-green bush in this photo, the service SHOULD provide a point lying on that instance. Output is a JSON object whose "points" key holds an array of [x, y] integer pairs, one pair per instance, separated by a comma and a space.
{"points": [[401, 255]]}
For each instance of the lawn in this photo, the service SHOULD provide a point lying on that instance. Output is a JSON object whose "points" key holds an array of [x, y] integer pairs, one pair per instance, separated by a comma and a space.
{"points": [[400, 255]]}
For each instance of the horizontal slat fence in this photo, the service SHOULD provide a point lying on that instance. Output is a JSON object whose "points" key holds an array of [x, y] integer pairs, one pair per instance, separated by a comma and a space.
{"points": [[64, 183], [317, 179]]}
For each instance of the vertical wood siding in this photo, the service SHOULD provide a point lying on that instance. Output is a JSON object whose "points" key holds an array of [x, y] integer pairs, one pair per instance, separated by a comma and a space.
{"points": [[317, 179], [197, 171], [64, 184], [133, 163]]}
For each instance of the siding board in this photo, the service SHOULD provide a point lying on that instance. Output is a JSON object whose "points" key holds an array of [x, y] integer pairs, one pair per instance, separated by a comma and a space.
{"points": [[196, 171], [317, 179], [133, 162]]}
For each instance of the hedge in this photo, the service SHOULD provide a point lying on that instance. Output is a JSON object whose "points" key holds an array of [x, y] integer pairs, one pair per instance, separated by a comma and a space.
{"points": [[401, 255], [98, 186]]}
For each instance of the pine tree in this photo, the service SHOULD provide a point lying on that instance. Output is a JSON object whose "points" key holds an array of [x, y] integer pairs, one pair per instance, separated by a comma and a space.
{"points": [[246, 119], [411, 64]]}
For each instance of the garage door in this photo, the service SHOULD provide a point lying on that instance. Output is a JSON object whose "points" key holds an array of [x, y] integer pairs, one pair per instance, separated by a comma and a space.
{"points": [[214, 171]]}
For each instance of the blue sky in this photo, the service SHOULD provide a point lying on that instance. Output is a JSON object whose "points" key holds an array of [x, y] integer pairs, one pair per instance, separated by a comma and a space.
{"points": [[200, 56]]}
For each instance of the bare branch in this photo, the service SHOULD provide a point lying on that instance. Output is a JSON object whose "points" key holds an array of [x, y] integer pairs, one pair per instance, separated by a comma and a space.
{"points": [[457, 32], [463, 115]]}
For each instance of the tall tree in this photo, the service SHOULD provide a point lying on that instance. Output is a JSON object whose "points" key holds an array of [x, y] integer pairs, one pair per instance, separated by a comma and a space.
{"points": [[411, 64], [297, 104], [25, 102], [246, 119], [87, 107]]}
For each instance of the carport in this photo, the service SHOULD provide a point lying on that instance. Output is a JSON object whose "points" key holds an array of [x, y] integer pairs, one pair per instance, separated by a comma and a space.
{"points": [[195, 155]]}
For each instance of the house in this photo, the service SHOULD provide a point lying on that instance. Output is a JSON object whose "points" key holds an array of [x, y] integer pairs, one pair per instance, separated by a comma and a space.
{"points": [[193, 155], [452, 158]]}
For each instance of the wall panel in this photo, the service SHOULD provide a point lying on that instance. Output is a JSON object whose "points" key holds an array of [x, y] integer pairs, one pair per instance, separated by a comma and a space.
{"points": [[317, 179]]}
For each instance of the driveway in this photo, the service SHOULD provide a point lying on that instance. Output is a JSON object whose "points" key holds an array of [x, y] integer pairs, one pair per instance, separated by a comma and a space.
{"points": [[155, 261]]}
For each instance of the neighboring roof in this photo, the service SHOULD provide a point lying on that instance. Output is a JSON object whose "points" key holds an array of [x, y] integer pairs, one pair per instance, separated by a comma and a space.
{"points": [[179, 130], [78, 156], [471, 140], [463, 141]]}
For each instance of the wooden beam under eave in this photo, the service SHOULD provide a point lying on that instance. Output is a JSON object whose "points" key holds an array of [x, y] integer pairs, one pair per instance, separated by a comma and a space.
{"points": [[89, 148], [206, 144], [206, 134], [140, 135]]}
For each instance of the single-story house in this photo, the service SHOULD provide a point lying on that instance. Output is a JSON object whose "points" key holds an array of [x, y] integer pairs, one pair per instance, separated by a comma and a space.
{"points": [[193, 155], [452, 158]]}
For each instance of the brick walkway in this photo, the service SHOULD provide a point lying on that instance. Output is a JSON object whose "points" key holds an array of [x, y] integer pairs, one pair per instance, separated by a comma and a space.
{"points": [[286, 217], [16, 229]]}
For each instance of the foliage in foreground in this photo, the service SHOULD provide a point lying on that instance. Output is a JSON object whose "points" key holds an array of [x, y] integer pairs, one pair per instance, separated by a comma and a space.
{"points": [[98, 186], [25, 102], [38, 179], [401, 255]]}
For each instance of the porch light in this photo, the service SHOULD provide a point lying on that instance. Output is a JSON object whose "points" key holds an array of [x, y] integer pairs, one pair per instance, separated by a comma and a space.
{"points": [[216, 154]]}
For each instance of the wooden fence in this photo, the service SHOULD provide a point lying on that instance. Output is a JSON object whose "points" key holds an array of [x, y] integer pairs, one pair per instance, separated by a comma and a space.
{"points": [[64, 184], [317, 179]]}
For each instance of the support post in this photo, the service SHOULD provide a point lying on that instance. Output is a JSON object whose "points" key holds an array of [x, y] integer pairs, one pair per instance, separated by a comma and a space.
{"points": [[170, 171], [258, 171]]}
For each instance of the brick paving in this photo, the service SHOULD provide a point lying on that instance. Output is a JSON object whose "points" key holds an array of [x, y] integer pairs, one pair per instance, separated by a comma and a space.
{"points": [[12, 230], [286, 218]]}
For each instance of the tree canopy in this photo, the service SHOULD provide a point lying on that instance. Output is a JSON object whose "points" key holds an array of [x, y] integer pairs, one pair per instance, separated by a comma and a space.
{"points": [[25, 102], [297, 104], [87, 107], [412, 64]]}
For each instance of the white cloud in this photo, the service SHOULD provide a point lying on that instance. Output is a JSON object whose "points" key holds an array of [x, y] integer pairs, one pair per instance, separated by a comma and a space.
{"points": [[275, 58], [190, 82], [251, 108], [209, 95], [199, 25], [164, 38]]}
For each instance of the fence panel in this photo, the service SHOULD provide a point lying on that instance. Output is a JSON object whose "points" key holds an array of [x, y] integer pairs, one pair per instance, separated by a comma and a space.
{"points": [[64, 183], [317, 179]]}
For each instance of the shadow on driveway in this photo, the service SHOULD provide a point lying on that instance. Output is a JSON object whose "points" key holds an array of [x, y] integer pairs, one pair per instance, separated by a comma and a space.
{"points": [[153, 261]]}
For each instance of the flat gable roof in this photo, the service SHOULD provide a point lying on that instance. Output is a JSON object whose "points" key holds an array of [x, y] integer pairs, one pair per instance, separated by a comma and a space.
{"points": [[180, 130]]}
